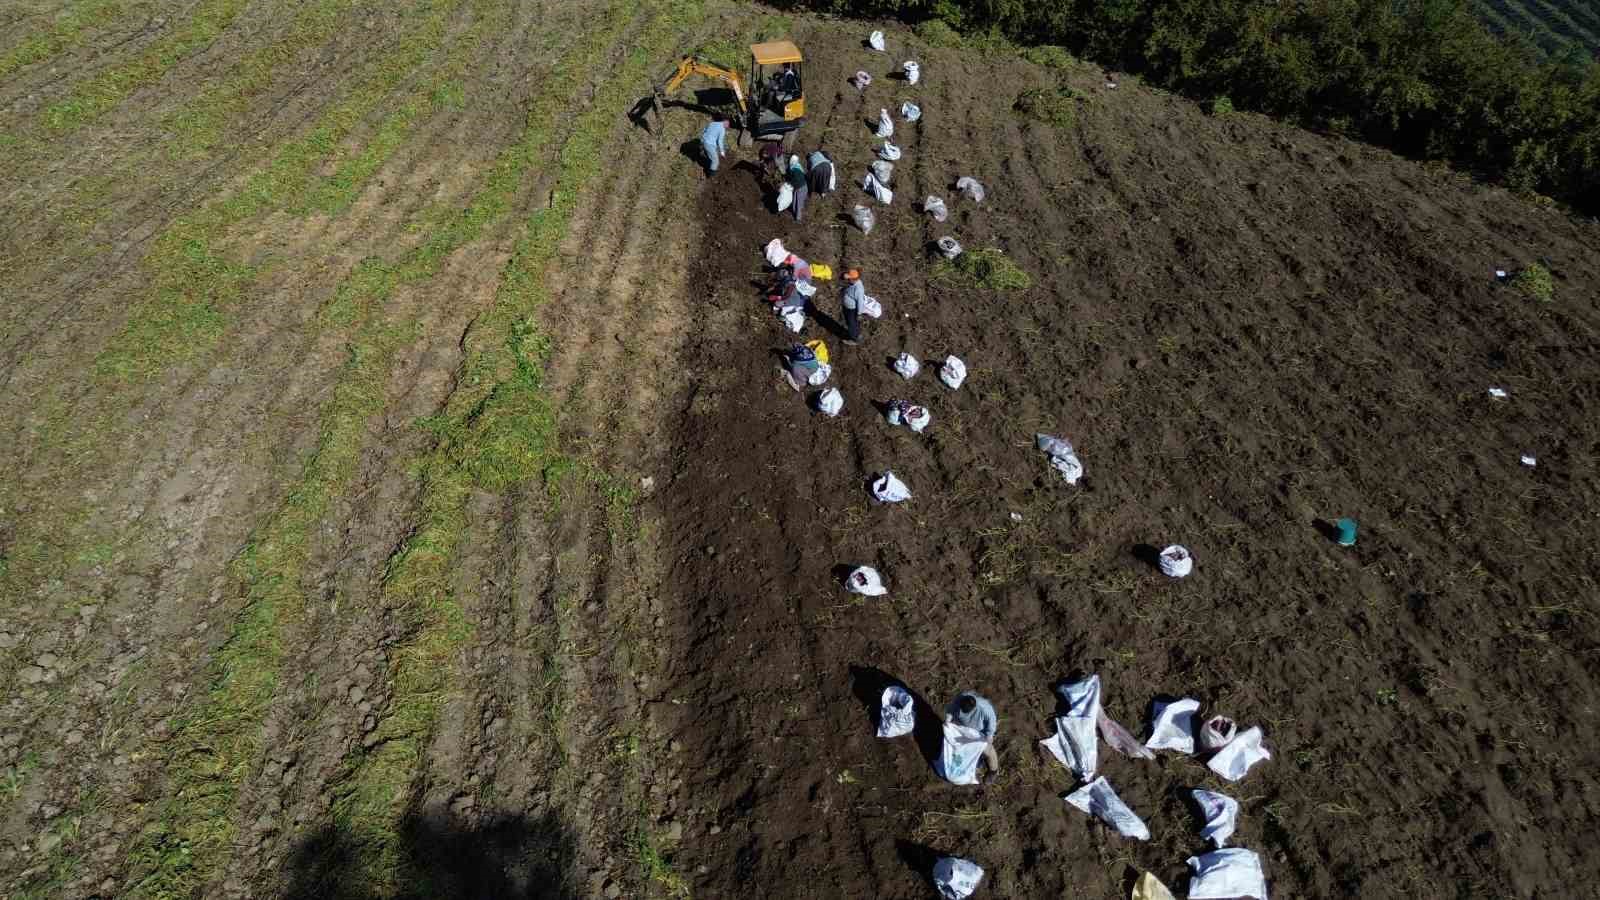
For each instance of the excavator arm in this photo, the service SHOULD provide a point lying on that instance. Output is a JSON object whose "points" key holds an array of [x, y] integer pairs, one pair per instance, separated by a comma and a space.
{"points": [[694, 66]]}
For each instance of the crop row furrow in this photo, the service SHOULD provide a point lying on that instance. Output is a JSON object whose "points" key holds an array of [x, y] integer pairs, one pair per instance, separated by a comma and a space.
{"points": [[497, 433]]}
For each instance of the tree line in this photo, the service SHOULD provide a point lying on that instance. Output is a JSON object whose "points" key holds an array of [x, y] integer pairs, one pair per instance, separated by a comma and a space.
{"points": [[1424, 77]]}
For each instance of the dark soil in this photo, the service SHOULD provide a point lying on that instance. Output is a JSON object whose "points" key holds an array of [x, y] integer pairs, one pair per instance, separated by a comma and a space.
{"points": [[1247, 331]]}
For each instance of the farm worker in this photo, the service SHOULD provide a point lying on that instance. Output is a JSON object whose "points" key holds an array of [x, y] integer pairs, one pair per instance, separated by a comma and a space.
{"points": [[803, 363], [821, 173], [970, 710], [800, 268], [772, 163], [714, 140], [796, 176], [786, 84], [854, 296]]}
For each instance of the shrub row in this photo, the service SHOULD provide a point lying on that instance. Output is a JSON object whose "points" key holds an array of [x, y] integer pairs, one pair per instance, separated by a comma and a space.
{"points": [[1424, 77]]}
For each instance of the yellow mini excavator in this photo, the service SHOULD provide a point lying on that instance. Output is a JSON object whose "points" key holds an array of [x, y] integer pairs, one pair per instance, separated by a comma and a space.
{"points": [[770, 106]]}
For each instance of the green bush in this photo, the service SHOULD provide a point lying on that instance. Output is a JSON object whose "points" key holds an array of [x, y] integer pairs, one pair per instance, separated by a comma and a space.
{"points": [[1424, 77], [1050, 56], [1535, 281], [938, 33], [1052, 106], [990, 269], [1221, 106]]}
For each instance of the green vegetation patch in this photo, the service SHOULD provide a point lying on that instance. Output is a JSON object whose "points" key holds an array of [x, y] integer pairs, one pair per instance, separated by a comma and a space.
{"points": [[218, 744], [938, 33], [203, 121], [1051, 57], [990, 269], [1535, 281], [192, 286], [498, 431], [68, 30], [1056, 107], [104, 91]]}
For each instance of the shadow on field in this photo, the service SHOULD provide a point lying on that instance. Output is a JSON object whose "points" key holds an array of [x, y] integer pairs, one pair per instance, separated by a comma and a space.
{"points": [[507, 858]]}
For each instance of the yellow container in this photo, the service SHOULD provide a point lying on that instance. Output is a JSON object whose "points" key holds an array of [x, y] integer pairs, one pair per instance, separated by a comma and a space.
{"points": [[821, 272]]}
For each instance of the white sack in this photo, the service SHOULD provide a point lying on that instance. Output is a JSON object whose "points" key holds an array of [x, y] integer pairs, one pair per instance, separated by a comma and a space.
{"points": [[888, 489], [1172, 726], [950, 247], [897, 716], [912, 70], [1070, 467], [866, 581], [876, 188], [883, 171], [1216, 733], [794, 318], [956, 878], [861, 80], [1098, 799], [885, 124], [958, 760], [830, 402], [1120, 739], [935, 207], [863, 218], [1234, 760], [953, 372], [776, 253], [871, 308], [917, 418], [1052, 445], [1221, 813], [1176, 561], [875, 41], [889, 151], [907, 365], [1074, 743], [968, 185], [785, 196], [910, 111], [1061, 457], [1227, 874], [820, 376]]}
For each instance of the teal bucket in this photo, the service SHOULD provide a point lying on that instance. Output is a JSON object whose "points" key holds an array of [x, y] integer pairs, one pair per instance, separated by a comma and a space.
{"points": [[1347, 532]]}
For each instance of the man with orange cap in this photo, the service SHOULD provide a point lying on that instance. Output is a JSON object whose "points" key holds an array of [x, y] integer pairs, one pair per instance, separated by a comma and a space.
{"points": [[854, 296]]}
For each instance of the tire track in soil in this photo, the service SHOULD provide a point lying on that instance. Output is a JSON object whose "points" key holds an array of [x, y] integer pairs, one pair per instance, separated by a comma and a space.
{"points": [[116, 129], [342, 570], [155, 209], [193, 397], [393, 457], [19, 87], [208, 409], [582, 574], [488, 273]]}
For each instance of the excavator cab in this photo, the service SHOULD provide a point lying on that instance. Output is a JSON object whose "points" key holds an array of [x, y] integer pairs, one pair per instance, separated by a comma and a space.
{"points": [[777, 89], [772, 105]]}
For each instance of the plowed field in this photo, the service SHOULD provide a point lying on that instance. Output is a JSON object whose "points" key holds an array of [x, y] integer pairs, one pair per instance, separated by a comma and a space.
{"points": [[402, 498]]}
